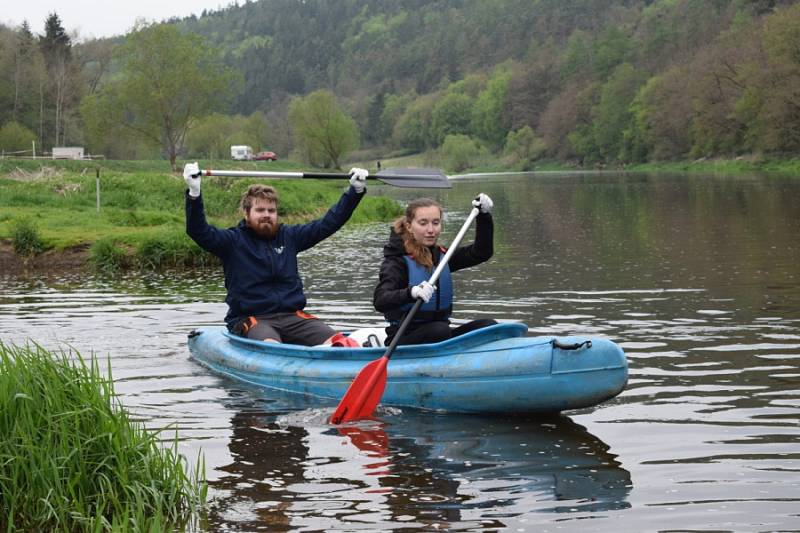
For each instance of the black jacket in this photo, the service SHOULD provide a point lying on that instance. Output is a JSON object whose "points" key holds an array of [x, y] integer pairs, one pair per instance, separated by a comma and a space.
{"points": [[393, 291]]}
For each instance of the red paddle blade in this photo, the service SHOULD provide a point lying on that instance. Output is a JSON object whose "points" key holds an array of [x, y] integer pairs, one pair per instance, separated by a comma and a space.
{"points": [[364, 393]]}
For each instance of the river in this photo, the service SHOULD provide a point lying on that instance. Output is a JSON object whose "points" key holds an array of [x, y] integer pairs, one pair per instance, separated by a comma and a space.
{"points": [[697, 277]]}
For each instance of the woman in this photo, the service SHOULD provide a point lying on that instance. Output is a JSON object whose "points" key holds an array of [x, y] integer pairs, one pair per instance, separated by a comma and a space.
{"points": [[409, 259]]}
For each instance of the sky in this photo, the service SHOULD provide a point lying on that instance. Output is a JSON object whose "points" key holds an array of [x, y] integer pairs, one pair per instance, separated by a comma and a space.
{"points": [[100, 18]]}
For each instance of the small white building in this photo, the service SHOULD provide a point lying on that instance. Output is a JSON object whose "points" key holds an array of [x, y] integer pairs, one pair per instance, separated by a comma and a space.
{"points": [[241, 153], [67, 152]]}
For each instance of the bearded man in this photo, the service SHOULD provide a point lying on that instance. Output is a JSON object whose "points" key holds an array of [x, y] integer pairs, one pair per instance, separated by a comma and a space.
{"points": [[259, 257]]}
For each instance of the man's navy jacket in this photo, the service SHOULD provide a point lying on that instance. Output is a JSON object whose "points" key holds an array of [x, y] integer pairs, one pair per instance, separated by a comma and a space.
{"points": [[261, 275]]}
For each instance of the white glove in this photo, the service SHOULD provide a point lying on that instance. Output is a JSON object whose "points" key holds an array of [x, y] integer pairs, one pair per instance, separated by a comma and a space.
{"points": [[423, 291], [358, 179], [191, 173], [483, 203]]}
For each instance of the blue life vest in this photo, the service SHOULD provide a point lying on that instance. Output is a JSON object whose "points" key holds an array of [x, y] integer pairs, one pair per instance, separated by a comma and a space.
{"points": [[440, 306]]}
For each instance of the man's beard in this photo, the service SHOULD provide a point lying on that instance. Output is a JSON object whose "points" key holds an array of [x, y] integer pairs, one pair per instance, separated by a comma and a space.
{"points": [[266, 231]]}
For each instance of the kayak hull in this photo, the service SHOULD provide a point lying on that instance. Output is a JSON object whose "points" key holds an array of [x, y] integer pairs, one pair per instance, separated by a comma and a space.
{"points": [[491, 370]]}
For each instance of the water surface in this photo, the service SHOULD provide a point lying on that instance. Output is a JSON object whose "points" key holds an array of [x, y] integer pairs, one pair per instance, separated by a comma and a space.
{"points": [[696, 277]]}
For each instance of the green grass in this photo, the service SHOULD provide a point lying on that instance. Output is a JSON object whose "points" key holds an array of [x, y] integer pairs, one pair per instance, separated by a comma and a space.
{"points": [[724, 166], [72, 459], [141, 220]]}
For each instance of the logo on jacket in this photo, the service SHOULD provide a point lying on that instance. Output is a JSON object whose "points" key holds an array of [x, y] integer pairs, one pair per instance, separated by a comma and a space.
{"points": [[279, 250]]}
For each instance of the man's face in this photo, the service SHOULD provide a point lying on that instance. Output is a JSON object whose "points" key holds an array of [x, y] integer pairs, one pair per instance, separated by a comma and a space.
{"points": [[263, 217]]}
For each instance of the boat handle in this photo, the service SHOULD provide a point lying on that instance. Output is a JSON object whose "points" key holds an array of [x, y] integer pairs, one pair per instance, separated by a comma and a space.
{"points": [[573, 346]]}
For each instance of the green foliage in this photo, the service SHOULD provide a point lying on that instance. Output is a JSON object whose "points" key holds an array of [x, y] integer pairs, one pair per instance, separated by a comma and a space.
{"points": [[106, 255], [522, 146], [452, 115], [612, 115], [14, 137], [141, 220], [724, 71], [25, 238], [488, 121], [413, 129], [323, 132], [168, 79], [459, 152], [212, 136], [169, 248], [72, 459]]}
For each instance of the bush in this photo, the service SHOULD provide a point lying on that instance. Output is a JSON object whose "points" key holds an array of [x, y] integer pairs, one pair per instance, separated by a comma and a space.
{"points": [[522, 146], [26, 239], [14, 137], [107, 256], [460, 151]]}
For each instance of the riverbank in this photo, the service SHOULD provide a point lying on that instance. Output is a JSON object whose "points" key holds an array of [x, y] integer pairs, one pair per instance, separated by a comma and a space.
{"points": [[117, 215]]}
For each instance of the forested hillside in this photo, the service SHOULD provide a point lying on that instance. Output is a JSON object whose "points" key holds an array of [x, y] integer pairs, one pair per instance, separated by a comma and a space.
{"points": [[590, 81]]}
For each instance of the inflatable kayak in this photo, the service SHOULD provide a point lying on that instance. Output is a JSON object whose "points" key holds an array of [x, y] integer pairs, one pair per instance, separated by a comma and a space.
{"points": [[491, 370]]}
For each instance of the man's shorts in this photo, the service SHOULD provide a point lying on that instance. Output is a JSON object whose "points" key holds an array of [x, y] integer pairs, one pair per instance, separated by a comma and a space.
{"points": [[291, 328]]}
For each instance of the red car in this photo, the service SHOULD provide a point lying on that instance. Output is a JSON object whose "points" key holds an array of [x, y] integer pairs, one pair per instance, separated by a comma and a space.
{"points": [[265, 156]]}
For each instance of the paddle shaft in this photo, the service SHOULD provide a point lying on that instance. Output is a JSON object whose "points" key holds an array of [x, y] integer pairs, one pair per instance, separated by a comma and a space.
{"points": [[273, 174], [399, 177]]}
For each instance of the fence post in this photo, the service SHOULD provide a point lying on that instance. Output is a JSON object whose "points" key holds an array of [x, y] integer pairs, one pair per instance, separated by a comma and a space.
{"points": [[97, 181]]}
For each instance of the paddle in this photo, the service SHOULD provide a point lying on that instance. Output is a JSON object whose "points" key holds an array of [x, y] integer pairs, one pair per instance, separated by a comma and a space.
{"points": [[364, 393], [399, 177]]}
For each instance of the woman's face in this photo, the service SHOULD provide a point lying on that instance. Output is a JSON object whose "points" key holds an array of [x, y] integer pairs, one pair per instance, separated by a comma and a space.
{"points": [[426, 225]]}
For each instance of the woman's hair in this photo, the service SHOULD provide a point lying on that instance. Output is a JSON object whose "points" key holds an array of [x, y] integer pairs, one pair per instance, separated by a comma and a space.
{"points": [[257, 191], [415, 249]]}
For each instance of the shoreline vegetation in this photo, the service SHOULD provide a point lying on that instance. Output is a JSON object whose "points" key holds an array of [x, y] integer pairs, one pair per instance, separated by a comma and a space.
{"points": [[73, 459], [51, 219]]}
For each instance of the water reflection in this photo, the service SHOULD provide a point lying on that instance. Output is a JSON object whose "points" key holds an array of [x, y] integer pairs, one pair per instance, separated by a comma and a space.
{"points": [[290, 470]]}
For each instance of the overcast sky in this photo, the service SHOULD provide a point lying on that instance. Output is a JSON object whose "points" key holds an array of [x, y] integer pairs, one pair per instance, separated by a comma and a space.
{"points": [[100, 18]]}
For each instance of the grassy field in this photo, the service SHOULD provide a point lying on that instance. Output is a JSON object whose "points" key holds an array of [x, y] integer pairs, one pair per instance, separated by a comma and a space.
{"points": [[72, 459], [52, 205]]}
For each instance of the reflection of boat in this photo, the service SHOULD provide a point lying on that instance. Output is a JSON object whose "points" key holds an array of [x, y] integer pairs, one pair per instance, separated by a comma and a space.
{"points": [[293, 471], [549, 460], [494, 369]]}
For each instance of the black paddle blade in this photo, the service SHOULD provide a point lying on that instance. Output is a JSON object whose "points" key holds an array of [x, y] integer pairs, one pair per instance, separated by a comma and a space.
{"points": [[431, 178]]}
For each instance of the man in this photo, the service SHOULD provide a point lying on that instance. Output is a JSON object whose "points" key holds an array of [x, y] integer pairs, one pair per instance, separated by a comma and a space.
{"points": [[259, 257]]}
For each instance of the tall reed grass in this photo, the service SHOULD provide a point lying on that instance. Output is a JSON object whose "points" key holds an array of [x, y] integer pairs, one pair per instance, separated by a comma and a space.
{"points": [[72, 459]]}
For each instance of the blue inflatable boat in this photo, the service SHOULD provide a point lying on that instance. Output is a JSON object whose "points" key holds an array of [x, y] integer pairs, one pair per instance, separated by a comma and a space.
{"points": [[491, 370]]}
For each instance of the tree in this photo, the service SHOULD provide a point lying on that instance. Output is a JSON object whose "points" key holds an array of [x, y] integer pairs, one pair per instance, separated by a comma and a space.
{"points": [[612, 116], [662, 117], [459, 151], [62, 74], [770, 106], [522, 146], [487, 115], [322, 131], [168, 79], [15, 137], [452, 115]]}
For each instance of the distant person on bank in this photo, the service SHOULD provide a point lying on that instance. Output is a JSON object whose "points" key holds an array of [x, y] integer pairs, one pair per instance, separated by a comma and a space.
{"points": [[259, 257], [409, 259]]}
